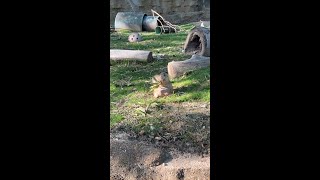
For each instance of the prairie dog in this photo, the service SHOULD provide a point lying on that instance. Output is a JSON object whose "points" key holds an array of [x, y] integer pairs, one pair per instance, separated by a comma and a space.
{"points": [[165, 87]]}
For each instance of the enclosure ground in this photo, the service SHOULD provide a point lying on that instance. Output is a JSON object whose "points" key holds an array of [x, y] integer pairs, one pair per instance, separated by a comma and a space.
{"points": [[174, 129]]}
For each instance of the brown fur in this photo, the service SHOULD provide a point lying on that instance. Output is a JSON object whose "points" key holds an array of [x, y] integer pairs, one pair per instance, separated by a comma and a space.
{"points": [[165, 87]]}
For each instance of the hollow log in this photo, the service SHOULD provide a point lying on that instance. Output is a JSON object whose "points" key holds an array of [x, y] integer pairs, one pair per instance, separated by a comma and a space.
{"points": [[136, 55], [129, 20], [198, 42], [178, 68]]}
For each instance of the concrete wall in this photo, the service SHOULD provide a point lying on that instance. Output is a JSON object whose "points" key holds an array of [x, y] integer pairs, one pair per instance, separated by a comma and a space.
{"points": [[175, 11]]}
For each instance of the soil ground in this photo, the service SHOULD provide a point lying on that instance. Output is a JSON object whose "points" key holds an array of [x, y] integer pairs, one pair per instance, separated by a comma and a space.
{"points": [[137, 155]]}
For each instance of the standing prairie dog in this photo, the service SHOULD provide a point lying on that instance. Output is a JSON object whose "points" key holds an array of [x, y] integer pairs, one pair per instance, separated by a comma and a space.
{"points": [[165, 87]]}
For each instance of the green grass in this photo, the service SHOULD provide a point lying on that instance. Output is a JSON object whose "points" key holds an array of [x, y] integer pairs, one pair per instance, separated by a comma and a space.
{"points": [[115, 118], [131, 80]]}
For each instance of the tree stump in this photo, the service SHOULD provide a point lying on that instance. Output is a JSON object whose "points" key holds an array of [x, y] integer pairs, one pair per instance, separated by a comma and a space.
{"points": [[178, 68], [198, 42], [131, 55]]}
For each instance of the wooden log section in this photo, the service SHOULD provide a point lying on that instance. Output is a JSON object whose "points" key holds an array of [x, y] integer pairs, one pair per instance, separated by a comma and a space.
{"points": [[178, 68], [131, 55], [198, 42]]}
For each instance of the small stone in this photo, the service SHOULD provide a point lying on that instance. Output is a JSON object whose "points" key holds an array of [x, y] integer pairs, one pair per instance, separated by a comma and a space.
{"points": [[141, 132], [165, 164], [158, 138], [204, 106]]}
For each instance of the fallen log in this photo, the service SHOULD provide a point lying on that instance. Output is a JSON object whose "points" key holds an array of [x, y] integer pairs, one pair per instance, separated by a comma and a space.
{"points": [[198, 42], [178, 68], [132, 55]]}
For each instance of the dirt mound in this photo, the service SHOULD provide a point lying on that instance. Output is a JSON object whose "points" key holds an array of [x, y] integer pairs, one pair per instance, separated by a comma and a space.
{"points": [[133, 159]]}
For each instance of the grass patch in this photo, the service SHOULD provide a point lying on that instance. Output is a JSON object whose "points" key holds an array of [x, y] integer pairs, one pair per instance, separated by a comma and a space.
{"points": [[150, 126], [130, 81], [115, 118]]}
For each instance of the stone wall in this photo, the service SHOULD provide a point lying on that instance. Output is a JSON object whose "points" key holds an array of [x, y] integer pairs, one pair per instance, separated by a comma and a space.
{"points": [[175, 11]]}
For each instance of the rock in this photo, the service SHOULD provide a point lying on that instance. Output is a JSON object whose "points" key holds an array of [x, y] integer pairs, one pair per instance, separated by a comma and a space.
{"points": [[135, 37], [204, 105], [158, 138], [141, 132]]}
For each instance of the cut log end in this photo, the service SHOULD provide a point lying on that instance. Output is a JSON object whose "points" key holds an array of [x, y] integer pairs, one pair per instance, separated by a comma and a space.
{"points": [[150, 57]]}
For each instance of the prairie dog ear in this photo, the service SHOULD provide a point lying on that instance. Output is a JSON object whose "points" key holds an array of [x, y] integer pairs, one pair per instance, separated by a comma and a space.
{"points": [[156, 78], [153, 80]]}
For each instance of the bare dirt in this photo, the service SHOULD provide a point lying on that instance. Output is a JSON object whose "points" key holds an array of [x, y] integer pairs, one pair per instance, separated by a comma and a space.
{"points": [[180, 149]]}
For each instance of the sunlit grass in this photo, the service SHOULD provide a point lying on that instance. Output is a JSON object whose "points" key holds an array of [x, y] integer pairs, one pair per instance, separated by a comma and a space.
{"points": [[191, 87]]}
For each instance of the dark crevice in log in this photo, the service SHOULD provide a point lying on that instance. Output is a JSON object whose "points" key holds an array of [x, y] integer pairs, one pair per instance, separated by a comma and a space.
{"points": [[198, 42], [194, 46]]}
